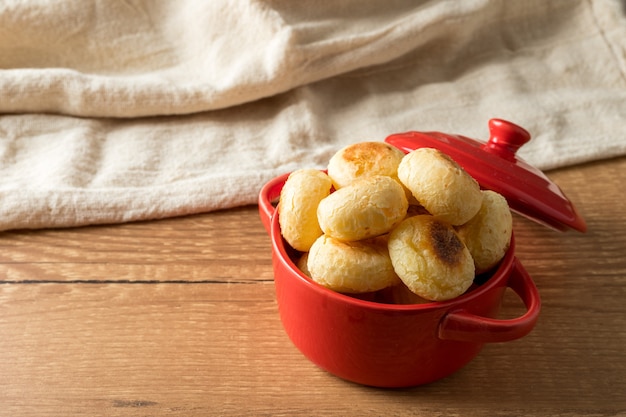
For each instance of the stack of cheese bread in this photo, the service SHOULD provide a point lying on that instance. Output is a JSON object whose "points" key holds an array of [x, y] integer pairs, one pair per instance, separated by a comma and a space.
{"points": [[381, 219]]}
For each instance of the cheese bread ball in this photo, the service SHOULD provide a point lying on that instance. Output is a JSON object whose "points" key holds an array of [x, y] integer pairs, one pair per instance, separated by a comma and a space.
{"points": [[488, 234], [430, 258], [366, 208], [297, 207], [364, 159], [351, 267], [439, 184]]}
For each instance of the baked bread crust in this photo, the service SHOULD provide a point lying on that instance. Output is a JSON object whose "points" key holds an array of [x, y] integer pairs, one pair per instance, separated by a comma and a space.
{"points": [[430, 258], [297, 207], [366, 208], [488, 234], [439, 184], [351, 267], [363, 159]]}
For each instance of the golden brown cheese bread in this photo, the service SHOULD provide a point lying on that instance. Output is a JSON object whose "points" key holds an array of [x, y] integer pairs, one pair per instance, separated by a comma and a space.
{"points": [[488, 234], [400, 229], [363, 159], [297, 207], [366, 208], [351, 267], [430, 258], [439, 184]]}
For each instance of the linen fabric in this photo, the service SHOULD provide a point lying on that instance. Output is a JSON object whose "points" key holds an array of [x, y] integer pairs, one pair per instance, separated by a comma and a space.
{"points": [[116, 111]]}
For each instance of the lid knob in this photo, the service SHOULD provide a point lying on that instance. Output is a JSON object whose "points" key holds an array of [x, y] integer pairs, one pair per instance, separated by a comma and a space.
{"points": [[505, 137]]}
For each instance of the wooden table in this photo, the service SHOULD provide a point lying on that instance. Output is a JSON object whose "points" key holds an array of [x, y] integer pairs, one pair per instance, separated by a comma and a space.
{"points": [[178, 317]]}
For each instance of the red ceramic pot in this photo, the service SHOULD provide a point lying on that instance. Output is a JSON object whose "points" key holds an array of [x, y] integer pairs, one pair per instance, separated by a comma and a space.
{"points": [[392, 345]]}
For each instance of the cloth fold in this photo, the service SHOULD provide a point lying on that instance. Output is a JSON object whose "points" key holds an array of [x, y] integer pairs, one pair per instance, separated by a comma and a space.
{"points": [[131, 110]]}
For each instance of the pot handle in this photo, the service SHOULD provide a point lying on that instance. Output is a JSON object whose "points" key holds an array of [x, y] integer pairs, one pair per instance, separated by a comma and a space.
{"points": [[463, 326], [268, 194]]}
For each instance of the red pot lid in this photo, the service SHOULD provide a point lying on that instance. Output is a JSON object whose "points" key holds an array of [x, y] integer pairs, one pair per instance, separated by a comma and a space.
{"points": [[496, 167]]}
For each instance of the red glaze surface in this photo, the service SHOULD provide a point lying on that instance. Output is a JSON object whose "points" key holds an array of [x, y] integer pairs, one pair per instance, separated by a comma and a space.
{"points": [[391, 345], [496, 167]]}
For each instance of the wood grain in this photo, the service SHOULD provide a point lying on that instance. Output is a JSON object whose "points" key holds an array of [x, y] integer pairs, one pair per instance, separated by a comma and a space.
{"points": [[178, 317], [221, 246]]}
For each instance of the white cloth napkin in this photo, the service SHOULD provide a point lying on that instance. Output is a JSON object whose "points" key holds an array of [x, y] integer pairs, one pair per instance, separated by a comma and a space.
{"points": [[115, 111]]}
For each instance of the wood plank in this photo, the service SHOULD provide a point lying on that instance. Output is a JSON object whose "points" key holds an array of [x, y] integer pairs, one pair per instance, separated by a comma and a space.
{"points": [[217, 235], [229, 245], [195, 349]]}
